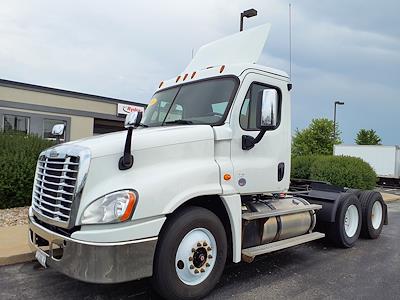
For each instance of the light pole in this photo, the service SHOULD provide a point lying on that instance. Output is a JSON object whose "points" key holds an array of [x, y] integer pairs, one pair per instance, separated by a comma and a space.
{"points": [[334, 119], [248, 14]]}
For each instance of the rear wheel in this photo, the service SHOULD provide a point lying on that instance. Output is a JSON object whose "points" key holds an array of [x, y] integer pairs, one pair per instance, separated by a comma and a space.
{"points": [[190, 255], [345, 231], [373, 214]]}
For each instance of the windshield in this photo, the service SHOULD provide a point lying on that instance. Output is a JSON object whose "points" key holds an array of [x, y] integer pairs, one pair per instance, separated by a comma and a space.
{"points": [[203, 102]]}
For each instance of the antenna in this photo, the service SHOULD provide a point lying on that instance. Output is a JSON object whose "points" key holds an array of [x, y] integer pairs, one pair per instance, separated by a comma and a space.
{"points": [[290, 41]]}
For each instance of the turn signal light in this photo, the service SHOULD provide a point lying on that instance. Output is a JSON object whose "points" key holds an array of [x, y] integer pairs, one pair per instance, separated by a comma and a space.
{"points": [[227, 177], [131, 204]]}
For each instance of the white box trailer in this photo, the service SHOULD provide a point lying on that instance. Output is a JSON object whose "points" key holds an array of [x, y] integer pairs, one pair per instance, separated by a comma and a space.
{"points": [[384, 159]]}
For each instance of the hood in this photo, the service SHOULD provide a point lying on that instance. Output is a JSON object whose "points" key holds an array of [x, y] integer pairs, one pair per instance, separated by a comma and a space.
{"points": [[144, 138]]}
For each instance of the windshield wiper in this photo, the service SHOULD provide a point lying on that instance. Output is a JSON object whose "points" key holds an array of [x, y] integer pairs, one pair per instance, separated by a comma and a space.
{"points": [[183, 122]]}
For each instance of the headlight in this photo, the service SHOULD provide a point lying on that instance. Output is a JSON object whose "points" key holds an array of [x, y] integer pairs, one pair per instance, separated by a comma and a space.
{"points": [[112, 208]]}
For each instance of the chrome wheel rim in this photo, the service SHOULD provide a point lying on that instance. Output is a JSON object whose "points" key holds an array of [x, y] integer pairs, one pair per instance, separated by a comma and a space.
{"points": [[351, 220], [195, 257], [376, 215]]}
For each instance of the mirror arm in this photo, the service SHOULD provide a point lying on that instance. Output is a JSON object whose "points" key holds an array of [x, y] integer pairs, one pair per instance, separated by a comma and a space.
{"points": [[248, 141], [126, 161]]}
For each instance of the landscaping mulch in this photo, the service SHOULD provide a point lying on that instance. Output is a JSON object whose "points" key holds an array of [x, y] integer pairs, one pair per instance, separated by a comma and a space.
{"points": [[14, 216]]}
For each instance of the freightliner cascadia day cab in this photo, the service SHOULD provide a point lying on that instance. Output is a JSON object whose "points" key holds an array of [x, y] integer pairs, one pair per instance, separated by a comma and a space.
{"points": [[200, 180]]}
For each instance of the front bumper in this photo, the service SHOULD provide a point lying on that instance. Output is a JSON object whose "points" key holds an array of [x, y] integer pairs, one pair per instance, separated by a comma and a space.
{"points": [[94, 262]]}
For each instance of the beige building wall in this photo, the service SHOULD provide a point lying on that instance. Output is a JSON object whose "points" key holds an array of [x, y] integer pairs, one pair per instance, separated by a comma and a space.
{"points": [[81, 127], [52, 100]]}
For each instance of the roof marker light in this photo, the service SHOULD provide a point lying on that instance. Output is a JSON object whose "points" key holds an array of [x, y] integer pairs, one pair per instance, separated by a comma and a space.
{"points": [[161, 83], [184, 77], [193, 74], [222, 68], [177, 78]]}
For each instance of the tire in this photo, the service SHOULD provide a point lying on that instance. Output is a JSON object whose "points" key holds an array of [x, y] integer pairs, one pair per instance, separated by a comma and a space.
{"points": [[373, 214], [189, 234], [345, 231]]}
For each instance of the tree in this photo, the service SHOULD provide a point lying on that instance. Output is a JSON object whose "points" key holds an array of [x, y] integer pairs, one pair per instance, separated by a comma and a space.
{"points": [[317, 138], [367, 137]]}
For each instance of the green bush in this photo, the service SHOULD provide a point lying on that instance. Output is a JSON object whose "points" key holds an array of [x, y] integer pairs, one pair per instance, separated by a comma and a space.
{"points": [[343, 171], [301, 166], [18, 156]]}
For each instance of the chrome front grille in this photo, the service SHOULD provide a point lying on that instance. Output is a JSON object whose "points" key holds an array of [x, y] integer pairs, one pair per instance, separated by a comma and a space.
{"points": [[55, 187]]}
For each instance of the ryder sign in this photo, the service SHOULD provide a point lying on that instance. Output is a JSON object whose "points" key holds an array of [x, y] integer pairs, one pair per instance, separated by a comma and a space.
{"points": [[124, 109]]}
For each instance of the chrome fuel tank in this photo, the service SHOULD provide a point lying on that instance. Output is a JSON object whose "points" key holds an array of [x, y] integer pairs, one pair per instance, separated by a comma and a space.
{"points": [[267, 230]]}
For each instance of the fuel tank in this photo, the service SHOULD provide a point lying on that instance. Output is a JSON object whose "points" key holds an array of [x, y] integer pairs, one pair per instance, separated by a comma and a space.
{"points": [[272, 229]]}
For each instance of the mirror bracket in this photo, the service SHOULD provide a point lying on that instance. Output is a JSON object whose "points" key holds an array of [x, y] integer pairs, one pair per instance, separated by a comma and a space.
{"points": [[248, 142], [132, 121], [126, 161]]}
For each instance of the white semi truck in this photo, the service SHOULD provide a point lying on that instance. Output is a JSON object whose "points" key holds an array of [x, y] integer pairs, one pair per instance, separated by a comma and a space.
{"points": [[201, 179]]}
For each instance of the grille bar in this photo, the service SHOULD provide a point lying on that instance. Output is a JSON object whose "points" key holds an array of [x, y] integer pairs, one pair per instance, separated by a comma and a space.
{"points": [[53, 183], [54, 213], [54, 191], [58, 170], [58, 177], [53, 198], [62, 163], [51, 204]]}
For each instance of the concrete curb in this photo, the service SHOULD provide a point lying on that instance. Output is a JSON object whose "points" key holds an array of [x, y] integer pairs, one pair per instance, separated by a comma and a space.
{"points": [[16, 259], [14, 247]]}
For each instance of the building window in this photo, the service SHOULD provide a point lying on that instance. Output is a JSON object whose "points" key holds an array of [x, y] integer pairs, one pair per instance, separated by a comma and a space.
{"points": [[16, 123], [48, 126]]}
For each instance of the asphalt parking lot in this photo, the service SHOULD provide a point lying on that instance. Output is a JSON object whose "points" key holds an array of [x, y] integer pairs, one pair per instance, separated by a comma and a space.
{"points": [[370, 270], [393, 191]]}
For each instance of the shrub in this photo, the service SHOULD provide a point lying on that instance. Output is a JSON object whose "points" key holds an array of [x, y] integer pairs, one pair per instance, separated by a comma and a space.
{"points": [[18, 156], [301, 166], [343, 171]]}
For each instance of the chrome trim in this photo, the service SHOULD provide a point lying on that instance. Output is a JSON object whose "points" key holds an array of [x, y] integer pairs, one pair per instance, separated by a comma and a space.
{"points": [[55, 191], [60, 152], [95, 262]]}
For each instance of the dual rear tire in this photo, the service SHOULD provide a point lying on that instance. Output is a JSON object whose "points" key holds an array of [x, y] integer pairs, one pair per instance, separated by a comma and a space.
{"points": [[358, 213]]}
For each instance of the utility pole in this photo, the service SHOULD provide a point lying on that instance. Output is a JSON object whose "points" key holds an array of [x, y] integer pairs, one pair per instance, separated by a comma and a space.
{"points": [[334, 119]]}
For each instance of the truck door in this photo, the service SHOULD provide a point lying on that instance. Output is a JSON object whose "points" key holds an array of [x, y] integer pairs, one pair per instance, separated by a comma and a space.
{"points": [[265, 167]]}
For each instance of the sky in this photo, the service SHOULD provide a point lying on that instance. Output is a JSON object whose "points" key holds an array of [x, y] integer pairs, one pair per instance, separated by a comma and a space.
{"points": [[341, 50]]}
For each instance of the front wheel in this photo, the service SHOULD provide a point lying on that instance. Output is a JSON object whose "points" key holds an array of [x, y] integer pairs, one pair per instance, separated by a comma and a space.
{"points": [[190, 255]]}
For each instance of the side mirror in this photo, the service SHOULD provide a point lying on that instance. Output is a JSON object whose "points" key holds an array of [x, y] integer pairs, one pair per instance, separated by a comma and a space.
{"points": [[267, 109], [58, 129], [266, 117], [133, 119]]}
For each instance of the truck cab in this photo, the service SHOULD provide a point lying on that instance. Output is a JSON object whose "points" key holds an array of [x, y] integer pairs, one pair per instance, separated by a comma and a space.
{"points": [[196, 181]]}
